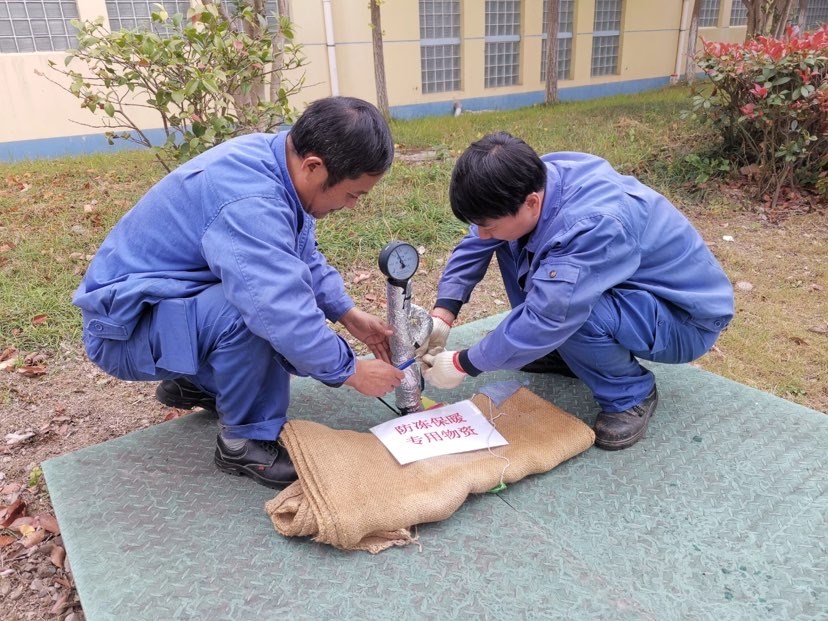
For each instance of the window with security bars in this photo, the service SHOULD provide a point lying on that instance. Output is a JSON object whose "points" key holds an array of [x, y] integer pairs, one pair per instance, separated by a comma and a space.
{"points": [[564, 39], [738, 13], [816, 15], [606, 37], [440, 45], [709, 14], [502, 43], [37, 26], [135, 14]]}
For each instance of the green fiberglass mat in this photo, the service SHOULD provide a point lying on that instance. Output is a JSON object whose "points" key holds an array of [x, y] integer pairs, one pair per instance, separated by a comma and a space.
{"points": [[719, 513]]}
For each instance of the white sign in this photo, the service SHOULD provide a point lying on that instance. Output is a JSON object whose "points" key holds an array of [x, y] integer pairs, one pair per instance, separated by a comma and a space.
{"points": [[455, 428]]}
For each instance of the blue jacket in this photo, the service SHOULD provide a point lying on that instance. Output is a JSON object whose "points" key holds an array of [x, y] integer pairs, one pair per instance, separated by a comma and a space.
{"points": [[598, 230], [230, 215]]}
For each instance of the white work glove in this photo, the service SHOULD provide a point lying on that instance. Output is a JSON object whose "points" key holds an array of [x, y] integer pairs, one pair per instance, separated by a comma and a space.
{"points": [[445, 370], [436, 341]]}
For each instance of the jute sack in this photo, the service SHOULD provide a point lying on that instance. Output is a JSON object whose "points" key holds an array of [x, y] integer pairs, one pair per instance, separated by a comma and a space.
{"points": [[352, 494]]}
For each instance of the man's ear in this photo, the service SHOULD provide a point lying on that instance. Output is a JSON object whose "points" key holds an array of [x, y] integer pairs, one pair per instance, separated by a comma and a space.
{"points": [[313, 168], [534, 203]]}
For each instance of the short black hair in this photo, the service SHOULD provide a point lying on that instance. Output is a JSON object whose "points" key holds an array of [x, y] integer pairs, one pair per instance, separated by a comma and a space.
{"points": [[493, 177], [348, 134]]}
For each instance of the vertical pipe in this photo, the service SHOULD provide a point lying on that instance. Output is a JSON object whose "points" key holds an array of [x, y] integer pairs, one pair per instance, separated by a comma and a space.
{"points": [[681, 51], [409, 323], [330, 43]]}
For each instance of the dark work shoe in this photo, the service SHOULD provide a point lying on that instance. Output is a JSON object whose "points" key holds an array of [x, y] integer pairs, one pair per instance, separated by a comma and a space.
{"points": [[618, 430], [268, 463], [179, 393], [550, 363]]}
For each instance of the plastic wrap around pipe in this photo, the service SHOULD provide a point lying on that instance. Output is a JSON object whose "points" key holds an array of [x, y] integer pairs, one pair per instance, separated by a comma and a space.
{"points": [[411, 324]]}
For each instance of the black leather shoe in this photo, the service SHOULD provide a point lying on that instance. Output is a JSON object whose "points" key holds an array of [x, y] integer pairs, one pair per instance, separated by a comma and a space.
{"points": [[618, 430], [179, 393], [268, 463], [550, 363]]}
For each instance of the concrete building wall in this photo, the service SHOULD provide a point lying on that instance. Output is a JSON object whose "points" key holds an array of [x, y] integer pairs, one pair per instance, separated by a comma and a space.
{"points": [[42, 120]]}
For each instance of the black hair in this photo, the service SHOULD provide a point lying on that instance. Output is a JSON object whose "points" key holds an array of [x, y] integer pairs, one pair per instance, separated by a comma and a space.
{"points": [[348, 134], [493, 177]]}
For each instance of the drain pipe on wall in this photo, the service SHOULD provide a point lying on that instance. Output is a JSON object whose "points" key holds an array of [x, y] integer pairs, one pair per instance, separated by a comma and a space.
{"points": [[681, 52], [330, 43]]}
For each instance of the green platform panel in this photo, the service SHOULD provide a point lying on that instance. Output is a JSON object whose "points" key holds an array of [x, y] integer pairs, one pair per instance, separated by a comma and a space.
{"points": [[719, 513]]}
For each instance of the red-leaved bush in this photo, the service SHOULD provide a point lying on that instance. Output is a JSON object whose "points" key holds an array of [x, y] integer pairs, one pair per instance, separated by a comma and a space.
{"points": [[769, 102]]}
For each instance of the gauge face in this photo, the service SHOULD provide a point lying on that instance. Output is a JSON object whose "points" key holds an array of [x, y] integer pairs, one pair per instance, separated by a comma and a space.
{"points": [[399, 260]]}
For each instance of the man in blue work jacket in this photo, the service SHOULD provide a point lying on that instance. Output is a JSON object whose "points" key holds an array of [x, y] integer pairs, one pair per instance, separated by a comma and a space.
{"points": [[213, 282], [599, 269]]}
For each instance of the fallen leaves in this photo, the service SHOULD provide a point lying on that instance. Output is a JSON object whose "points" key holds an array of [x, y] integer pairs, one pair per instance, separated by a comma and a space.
{"points": [[16, 437], [30, 365], [32, 556]]}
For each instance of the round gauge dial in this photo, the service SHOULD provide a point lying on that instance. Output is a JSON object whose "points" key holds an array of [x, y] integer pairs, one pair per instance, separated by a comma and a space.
{"points": [[399, 260]]}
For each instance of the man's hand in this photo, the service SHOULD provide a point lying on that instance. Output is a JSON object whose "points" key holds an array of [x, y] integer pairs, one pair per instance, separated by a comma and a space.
{"points": [[445, 371], [371, 330], [375, 378], [436, 343]]}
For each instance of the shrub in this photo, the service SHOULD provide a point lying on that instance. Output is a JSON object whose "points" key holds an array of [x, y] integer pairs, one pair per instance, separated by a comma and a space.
{"points": [[769, 103], [205, 76]]}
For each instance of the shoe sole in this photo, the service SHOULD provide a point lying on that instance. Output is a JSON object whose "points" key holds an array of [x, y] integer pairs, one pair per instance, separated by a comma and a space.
{"points": [[622, 444], [241, 471]]}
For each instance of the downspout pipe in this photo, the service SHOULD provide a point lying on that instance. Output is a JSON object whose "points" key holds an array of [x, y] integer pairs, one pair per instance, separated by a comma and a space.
{"points": [[330, 43], [681, 52]]}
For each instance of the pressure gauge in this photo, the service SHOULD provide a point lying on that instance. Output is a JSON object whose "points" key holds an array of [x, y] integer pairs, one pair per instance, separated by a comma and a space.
{"points": [[398, 261]]}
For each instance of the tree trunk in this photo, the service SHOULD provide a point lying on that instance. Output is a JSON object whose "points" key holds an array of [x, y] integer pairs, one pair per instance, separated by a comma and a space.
{"points": [[379, 59], [692, 35], [552, 19], [782, 18], [754, 12], [802, 19], [278, 43]]}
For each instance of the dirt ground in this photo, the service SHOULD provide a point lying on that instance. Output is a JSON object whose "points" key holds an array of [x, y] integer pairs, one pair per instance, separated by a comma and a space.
{"points": [[74, 405]]}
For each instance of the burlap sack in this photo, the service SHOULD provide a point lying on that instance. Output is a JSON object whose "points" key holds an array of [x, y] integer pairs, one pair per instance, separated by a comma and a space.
{"points": [[352, 493]]}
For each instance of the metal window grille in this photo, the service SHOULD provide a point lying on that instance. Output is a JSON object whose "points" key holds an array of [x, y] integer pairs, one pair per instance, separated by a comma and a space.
{"points": [[565, 11], [738, 13], [606, 37], [135, 14], [817, 14], [709, 14], [37, 26], [502, 43], [440, 45]]}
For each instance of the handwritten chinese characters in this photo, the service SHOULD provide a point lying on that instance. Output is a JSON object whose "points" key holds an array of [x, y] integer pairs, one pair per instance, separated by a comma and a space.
{"points": [[454, 428]]}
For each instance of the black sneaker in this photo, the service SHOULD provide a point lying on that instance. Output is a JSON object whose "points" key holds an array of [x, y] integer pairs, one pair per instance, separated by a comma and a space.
{"points": [[268, 463], [550, 363], [618, 430], [179, 393]]}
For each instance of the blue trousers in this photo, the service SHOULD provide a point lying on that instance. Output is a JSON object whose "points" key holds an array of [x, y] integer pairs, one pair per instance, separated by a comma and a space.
{"points": [[625, 325], [204, 339]]}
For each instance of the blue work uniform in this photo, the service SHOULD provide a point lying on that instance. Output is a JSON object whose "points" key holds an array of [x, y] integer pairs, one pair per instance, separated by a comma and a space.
{"points": [[214, 275], [612, 271]]}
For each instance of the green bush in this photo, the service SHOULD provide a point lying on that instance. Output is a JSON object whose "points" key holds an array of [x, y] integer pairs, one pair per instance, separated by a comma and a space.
{"points": [[769, 103], [205, 76]]}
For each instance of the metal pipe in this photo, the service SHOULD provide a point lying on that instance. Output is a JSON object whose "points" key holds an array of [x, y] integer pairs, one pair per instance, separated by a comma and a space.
{"points": [[330, 43], [412, 324]]}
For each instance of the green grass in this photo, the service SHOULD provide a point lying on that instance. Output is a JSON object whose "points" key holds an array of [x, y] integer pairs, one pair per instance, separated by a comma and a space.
{"points": [[53, 214]]}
